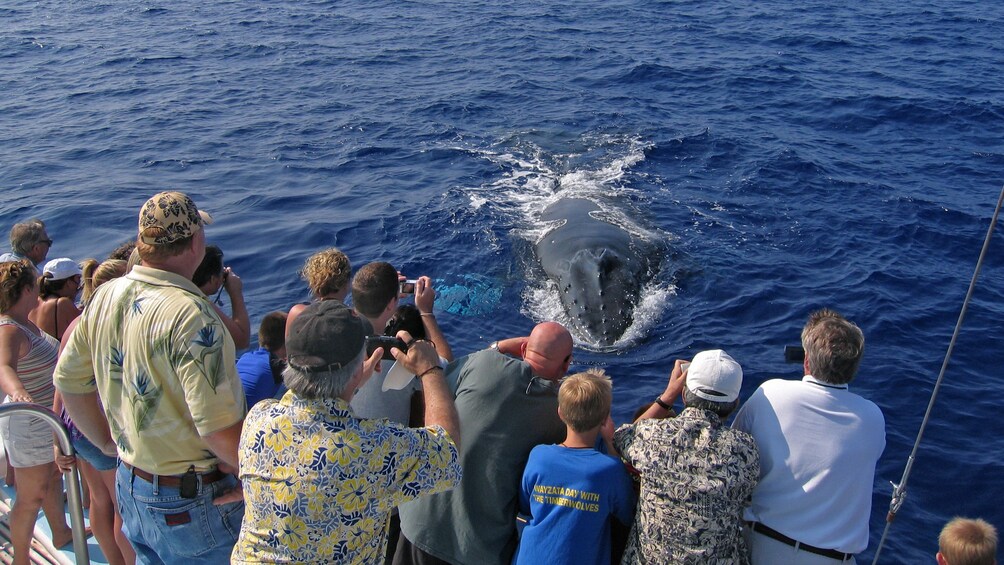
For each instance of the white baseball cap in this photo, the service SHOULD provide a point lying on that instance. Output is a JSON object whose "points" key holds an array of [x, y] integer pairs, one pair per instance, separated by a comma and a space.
{"points": [[714, 375], [59, 269]]}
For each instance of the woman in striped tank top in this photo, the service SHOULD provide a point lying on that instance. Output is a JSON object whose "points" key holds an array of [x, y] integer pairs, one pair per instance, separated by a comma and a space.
{"points": [[27, 360]]}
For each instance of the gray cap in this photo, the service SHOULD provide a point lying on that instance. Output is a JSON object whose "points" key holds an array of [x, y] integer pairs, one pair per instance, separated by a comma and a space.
{"points": [[326, 336]]}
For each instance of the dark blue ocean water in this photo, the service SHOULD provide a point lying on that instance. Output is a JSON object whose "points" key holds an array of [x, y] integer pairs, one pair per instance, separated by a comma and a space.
{"points": [[783, 155]]}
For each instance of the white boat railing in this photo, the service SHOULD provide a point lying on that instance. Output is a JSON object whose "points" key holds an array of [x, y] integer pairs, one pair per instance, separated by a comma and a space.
{"points": [[71, 477]]}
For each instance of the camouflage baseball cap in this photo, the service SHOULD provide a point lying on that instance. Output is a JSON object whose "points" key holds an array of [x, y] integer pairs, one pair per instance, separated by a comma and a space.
{"points": [[170, 216]]}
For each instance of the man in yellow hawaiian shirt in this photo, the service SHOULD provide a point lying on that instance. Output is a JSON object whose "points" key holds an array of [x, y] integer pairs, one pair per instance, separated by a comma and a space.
{"points": [[154, 349], [320, 482]]}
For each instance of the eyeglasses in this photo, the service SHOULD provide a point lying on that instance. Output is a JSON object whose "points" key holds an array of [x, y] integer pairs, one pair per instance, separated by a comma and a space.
{"points": [[46, 241]]}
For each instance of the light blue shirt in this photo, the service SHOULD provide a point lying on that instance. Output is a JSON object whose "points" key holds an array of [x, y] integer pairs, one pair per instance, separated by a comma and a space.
{"points": [[14, 257]]}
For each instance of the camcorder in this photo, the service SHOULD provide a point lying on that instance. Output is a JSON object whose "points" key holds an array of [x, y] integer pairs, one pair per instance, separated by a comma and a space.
{"points": [[386, 342], [408, 286], [794, 354]]}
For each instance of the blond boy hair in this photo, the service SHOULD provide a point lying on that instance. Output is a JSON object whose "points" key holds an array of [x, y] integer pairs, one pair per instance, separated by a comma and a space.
{"points": [[965, 541], [584, 399]]}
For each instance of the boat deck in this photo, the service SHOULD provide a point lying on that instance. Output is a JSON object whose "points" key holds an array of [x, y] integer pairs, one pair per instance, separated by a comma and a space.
{"points": [[43, 553]]}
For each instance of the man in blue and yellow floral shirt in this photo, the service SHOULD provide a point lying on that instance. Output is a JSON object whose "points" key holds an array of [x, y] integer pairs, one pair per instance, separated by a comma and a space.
{"points": [[319, 482]]}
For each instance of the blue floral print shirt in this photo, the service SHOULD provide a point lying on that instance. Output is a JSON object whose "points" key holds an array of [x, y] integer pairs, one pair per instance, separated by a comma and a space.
{"points": [[320, 483]]}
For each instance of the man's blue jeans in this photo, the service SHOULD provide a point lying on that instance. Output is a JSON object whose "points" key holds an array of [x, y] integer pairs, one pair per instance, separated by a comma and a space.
{"points": [[166, 528]]}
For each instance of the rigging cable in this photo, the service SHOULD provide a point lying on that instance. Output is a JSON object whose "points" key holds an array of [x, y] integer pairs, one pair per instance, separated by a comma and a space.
{"points": [[899, 490]]}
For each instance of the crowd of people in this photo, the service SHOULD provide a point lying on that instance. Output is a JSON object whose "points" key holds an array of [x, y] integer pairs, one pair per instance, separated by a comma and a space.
{"points": [[331, 442]]}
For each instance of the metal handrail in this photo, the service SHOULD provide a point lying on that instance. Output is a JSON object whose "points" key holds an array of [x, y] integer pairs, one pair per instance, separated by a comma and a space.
{"points": [[71, 477]]}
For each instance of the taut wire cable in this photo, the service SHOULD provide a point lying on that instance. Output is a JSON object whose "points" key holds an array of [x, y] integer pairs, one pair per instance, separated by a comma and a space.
{"points": [[899, 490]]}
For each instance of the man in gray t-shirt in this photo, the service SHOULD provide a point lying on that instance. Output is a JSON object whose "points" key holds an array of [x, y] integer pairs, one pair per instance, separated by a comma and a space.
{"points": [[507, 405]]}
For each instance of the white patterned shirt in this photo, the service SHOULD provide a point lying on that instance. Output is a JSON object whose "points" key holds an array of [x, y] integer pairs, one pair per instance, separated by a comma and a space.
{"points": [[697, 475]]}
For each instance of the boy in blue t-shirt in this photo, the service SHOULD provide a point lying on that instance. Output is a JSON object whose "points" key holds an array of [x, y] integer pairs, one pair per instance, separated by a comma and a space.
{"points": [[571, 490]]}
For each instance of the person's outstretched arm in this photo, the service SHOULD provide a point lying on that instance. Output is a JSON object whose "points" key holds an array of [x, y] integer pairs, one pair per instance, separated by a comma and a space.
{"points": [[238, 323], [425, 299], [677, 378], [512, 346], [422, 360]]}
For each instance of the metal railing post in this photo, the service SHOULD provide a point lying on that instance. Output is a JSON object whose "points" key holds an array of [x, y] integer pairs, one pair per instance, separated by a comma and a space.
{"points": [[71, 477]]}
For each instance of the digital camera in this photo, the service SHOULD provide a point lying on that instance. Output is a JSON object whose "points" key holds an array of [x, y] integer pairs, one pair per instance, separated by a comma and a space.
{"points": [[408, 286], [386, 342]]}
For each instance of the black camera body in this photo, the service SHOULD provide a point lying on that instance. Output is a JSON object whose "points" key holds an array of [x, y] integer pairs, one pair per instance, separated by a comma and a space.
{"points": [[386, 342], [794, 354]]}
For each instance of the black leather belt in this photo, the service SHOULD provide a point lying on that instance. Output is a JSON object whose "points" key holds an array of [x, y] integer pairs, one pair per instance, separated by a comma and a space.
{"points": [[774, 534]]}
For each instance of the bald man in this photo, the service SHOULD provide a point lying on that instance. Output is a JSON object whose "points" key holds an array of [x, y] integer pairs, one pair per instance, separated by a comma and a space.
{"points": [[507, 400]]}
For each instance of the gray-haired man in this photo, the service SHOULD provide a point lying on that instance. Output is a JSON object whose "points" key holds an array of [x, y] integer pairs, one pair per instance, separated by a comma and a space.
{"points": [[696, 473], [320, 482], [28, 240], [819, 444]]}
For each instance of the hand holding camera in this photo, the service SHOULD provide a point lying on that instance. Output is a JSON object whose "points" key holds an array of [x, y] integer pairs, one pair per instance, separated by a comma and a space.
{"points": [[677, 379], [386, 342], [419, 355], [425, 295], [231, 282]]}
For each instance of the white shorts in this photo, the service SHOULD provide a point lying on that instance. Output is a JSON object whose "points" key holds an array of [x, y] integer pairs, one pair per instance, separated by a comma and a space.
{"points": [[28, 440]]}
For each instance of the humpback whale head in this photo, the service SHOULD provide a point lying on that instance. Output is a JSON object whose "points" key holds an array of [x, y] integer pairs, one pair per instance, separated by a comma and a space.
{"points": [[599, 289], [598, 267]]}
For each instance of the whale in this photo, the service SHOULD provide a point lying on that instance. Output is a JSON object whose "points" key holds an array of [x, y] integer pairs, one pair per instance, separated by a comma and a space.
{"points": [[598, 267]]}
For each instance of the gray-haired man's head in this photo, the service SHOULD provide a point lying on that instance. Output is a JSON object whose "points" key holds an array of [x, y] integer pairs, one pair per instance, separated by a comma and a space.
{"points": [[324, 349]]}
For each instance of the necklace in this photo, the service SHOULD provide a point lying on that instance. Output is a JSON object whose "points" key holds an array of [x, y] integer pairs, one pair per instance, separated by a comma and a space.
{"points": [[562, 444]]}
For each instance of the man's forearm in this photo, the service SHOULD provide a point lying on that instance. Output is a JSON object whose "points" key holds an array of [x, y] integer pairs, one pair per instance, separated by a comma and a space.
{"points": [[439, 407], [224, 443], [239, 333], [512, 346], [436, 336], [239, 314]]}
